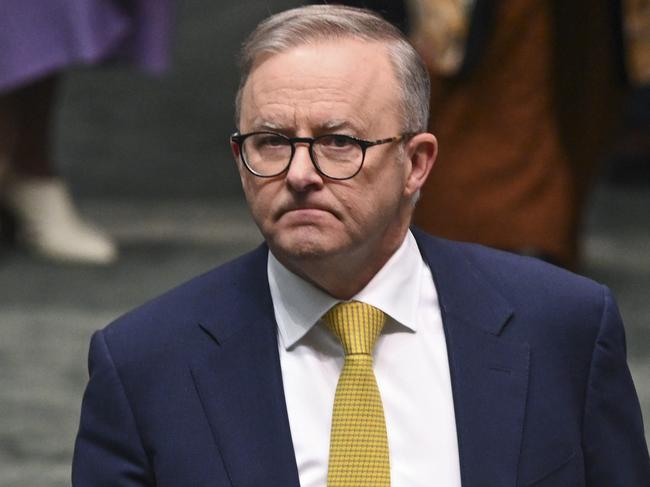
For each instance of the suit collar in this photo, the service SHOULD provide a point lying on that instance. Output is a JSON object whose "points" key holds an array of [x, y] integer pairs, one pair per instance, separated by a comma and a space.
{"points": [[489, 373], [463, 291], [239, 296]]}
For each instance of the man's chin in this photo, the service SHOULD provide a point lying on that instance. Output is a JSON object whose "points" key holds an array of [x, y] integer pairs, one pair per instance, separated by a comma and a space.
{"points": [[303, 245], [304, 250]]}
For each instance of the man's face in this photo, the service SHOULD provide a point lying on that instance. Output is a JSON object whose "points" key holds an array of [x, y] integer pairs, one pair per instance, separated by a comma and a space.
{"points": [[344, 87]]}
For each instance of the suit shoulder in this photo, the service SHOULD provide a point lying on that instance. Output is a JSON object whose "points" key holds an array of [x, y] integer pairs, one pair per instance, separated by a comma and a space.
{"points": [[513, 271], [556, 311], [173, 316], [531, 275], [539, 291]]}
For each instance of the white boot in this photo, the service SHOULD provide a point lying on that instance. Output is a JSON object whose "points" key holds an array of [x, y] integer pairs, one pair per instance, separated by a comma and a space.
{"points": [[50, 225]]}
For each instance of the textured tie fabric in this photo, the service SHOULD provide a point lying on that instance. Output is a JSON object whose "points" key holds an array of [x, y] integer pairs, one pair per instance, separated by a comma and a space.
{"points": [[358, 439]]}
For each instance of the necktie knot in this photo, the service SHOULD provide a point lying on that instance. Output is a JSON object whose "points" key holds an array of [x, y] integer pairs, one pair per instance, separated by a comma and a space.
{"points": [[357, 325]]}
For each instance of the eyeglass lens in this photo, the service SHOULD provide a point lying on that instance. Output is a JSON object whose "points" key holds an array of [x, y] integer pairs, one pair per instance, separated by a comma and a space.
{"points": [[337, 156]]}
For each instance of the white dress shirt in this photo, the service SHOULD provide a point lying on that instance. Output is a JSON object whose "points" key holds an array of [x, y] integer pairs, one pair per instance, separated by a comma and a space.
{"points": [[410, 363]]}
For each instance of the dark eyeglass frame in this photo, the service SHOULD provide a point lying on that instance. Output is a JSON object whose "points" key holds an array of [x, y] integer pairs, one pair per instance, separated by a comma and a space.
{"points": [[239, 139]]}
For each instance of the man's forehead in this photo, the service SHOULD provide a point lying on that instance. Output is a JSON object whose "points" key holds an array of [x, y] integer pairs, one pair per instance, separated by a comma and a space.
{"points": [[322, 65], [332, 83]]}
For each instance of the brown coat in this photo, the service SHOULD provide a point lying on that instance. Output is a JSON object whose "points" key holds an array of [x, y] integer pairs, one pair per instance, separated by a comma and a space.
{"points": [[520, 134]]}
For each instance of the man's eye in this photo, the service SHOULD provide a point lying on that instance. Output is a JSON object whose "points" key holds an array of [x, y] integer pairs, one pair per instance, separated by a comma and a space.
{"points": [[273, 140], [337, 141], [269, 141]]}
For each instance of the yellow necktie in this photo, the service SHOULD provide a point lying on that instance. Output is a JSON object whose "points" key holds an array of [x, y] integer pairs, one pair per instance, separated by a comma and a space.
{"points": [[358, 440]]}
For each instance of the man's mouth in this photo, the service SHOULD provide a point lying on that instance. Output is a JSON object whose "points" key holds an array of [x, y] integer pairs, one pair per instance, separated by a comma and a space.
{"points": [[306, 211]]}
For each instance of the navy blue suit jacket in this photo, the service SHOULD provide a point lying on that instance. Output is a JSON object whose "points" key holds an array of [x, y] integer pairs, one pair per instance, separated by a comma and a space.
{"points": [[187, 389]]}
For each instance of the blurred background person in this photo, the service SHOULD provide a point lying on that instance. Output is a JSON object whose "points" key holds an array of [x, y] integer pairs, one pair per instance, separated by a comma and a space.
{"points": [[629, 163], [40, 40], [525, 111]]}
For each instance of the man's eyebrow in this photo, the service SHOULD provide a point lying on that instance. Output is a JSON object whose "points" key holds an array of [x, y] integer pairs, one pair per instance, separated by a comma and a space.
{"points": [[262, 124], [338, 125]]}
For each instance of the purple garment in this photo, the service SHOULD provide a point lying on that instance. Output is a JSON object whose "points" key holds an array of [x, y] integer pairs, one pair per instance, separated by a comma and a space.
{"points": [[40, 37]]}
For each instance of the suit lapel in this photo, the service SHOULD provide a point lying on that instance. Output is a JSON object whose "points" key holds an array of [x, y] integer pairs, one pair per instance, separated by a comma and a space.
{"points": [[239, 381], [489, 373]]}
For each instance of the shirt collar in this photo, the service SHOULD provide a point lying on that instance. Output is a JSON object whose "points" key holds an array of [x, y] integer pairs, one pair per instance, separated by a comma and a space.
{"points": [[395, 289]]}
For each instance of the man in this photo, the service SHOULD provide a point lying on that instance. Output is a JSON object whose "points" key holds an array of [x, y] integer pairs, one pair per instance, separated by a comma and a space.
{"points": [[489, 370]]}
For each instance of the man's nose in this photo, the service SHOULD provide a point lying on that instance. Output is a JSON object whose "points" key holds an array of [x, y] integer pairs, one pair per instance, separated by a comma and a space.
{"points": [[302, 173]]}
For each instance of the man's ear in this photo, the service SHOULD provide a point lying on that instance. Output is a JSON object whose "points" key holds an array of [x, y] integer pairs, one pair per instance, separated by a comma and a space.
{"points": [[421, 153], [234, 148]]}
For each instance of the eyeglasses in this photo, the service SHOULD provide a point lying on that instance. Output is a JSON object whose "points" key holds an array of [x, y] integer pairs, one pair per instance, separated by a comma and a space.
{"points": [[335, 156]]}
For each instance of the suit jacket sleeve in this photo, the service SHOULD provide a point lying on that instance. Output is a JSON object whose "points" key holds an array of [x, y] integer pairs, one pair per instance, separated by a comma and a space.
{"points": [[613, 437], [108, 450]]}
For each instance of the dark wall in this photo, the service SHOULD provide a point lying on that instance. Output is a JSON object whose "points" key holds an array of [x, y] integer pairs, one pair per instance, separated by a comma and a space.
{"points": [[123, 134]]}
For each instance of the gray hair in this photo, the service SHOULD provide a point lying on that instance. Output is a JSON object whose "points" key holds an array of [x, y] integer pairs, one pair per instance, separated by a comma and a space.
{"points": [[313, 23]]}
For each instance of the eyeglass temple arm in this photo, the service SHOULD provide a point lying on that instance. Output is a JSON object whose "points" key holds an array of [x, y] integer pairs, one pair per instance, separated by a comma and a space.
{"points": [[391, 139]]}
